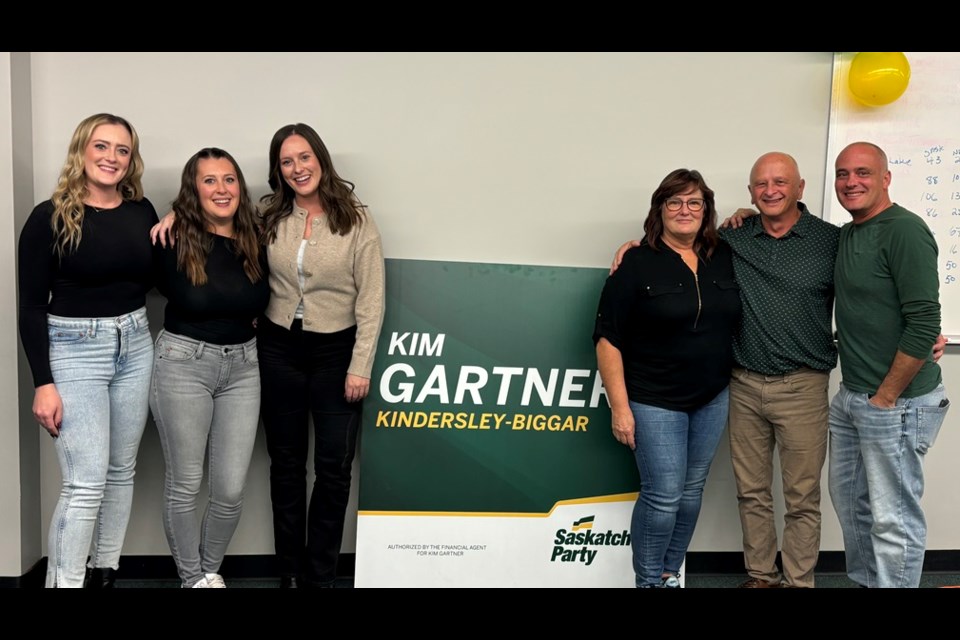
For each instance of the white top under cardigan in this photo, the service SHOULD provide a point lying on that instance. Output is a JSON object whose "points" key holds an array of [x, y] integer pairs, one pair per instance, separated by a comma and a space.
{"points": [[343, 282]]}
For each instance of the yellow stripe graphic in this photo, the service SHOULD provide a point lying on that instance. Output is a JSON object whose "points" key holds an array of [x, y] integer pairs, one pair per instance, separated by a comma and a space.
{"points": [[619, 497]]}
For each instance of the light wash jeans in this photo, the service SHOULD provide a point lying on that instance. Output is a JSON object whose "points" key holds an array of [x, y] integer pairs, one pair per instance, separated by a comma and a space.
{"points": [[205, 400], [674, 452], [876, 483], [101, 367]]}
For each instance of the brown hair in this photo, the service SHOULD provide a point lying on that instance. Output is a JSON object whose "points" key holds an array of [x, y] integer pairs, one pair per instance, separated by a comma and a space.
{"points": [[342, 207], [682, 181], [193, 242]]}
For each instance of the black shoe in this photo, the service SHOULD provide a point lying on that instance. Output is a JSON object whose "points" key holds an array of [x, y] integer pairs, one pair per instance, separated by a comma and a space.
{"points": [[99, 578], [288, 582]]}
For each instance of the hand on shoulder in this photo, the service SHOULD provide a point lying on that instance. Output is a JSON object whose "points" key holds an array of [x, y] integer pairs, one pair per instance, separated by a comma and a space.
{"points": [[737, 219], [621, 252]]}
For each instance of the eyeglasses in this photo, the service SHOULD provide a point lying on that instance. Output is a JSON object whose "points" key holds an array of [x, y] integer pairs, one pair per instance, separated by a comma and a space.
{"points": [[675, 204]]}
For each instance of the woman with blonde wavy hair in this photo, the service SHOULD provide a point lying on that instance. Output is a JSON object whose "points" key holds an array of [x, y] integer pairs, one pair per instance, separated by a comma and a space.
{"points": [[85, 266]]}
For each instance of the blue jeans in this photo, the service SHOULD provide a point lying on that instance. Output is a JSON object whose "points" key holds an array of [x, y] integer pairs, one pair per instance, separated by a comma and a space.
{"points": [[205, 400], [876, 482], [101, 368], [674, 452]]}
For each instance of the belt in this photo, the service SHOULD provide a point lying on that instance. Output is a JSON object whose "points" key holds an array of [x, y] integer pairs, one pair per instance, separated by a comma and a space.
{"points": [[778, 377]]}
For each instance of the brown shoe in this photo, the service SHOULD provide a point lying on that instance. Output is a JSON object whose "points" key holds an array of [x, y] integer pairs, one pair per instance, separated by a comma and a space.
{"points": [[757, 583]]}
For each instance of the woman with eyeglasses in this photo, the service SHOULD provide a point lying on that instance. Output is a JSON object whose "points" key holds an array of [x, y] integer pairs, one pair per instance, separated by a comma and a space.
{"points": [[663, 334]]}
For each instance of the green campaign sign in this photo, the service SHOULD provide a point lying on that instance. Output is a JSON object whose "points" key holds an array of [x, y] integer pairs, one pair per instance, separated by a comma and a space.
{"points": [[485, 394]]}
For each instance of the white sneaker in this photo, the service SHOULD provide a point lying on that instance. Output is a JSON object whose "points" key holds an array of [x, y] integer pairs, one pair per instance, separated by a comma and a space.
{"points": [[199, 584], [670, 582], [214, 581]]}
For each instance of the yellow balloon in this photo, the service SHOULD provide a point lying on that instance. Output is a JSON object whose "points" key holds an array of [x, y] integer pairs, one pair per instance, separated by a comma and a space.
{"points": [[879, 78]]}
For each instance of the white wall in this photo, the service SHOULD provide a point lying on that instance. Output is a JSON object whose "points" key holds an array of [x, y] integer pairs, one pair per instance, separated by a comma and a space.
{"points": [[480, 157], [10, 428]]}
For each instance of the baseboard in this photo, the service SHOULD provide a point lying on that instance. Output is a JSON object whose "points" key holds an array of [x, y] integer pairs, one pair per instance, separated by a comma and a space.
{"points": [[263, 566], [32, 579], [731, 562]]}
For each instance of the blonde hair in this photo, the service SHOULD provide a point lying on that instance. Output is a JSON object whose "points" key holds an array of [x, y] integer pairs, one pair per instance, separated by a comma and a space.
{"points": [[71, 190]]}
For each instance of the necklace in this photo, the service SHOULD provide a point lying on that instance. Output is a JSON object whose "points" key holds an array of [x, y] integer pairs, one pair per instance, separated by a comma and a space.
{"points": [[104, 207]]}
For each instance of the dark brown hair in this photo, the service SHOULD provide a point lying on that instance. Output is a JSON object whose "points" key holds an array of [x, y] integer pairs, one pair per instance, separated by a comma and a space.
{"points": [[342, 207], [193, 243], [683, 181]]}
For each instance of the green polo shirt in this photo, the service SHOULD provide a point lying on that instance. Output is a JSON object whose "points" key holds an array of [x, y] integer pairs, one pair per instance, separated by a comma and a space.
{"points": [[786, 285]]}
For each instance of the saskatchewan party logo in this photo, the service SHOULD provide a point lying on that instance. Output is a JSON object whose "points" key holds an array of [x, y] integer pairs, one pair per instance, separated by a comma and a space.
{"points": [[582, 544]]}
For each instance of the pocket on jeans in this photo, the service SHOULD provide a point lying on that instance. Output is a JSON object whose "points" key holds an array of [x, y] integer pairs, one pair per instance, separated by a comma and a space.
{"points": [[894, 410], [175, 351], [929, 421], [66, 336], [881, 423]]}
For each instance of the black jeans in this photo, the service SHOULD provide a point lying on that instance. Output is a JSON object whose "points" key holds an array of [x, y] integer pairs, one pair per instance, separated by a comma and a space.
{"points": [[302, 374]]}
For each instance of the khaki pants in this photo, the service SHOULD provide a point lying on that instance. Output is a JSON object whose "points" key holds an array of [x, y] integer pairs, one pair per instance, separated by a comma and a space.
{"points": [[789, 412]]}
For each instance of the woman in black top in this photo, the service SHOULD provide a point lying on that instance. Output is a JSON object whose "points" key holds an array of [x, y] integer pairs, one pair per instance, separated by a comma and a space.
{"points": [[206, 379], [84, 271], [663, 334]]}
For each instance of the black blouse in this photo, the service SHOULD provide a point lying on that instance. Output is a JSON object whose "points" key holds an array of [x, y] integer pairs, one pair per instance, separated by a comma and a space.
{"points": [[221, 311], [673, 328]]}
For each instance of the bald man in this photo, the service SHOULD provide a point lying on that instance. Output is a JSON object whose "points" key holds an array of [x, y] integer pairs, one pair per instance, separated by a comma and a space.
{"points": [[891, 401], [784, 352]]}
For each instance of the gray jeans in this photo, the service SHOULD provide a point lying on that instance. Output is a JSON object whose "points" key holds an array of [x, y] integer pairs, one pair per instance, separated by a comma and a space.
{"points": [[205, 399]]}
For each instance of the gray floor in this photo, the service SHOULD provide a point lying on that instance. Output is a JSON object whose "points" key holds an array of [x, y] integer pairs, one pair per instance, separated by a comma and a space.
{"points": [[824, 581], [726, 581], [243, 583]]}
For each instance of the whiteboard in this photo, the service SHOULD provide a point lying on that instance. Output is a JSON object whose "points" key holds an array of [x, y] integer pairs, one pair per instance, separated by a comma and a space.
{"points": [[920, 132]]}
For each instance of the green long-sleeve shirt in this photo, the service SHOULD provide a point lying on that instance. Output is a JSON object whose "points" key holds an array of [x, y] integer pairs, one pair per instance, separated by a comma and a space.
{"points": [[887, 299]]}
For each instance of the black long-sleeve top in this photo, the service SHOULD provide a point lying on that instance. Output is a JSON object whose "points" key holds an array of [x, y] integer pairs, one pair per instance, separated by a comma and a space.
{"points": [[673, 328], [108, 275], [221, 311]]}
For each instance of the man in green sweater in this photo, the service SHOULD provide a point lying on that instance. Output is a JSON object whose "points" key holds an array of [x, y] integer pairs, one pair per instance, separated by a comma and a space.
{"points": [[891, 401]]}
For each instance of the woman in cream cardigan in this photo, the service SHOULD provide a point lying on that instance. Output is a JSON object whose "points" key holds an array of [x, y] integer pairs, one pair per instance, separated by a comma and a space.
{"points": [[316, 343]]}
